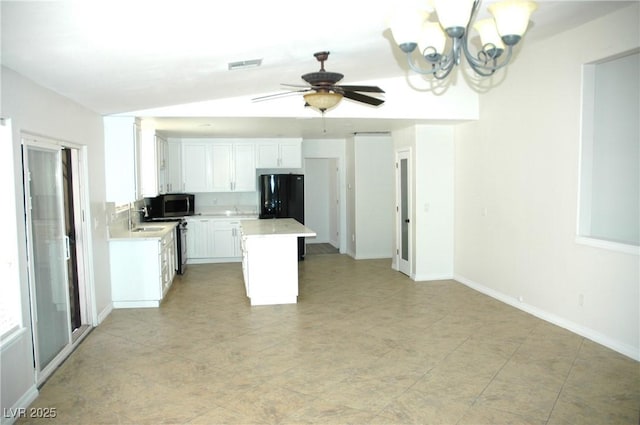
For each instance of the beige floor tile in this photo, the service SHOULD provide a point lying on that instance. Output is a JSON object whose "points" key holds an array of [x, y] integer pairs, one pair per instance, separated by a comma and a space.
{"points": [[364, 345], [533, 402], [573, 409], [413, 407], [484, 416]]}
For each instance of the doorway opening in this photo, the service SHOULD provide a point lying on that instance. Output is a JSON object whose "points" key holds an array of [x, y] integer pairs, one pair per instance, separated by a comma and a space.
{"points": [[322, 200]]}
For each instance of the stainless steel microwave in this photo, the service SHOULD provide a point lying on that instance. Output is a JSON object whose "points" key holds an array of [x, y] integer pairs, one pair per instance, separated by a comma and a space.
{"points": [[171, 205]]}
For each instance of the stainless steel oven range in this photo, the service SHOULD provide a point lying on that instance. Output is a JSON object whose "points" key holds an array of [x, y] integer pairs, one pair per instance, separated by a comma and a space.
{"points": [[181, 238]]}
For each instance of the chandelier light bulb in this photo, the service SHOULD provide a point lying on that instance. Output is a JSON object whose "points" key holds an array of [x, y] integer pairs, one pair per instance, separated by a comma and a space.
{"points": [[512, 18], [410, 29]]}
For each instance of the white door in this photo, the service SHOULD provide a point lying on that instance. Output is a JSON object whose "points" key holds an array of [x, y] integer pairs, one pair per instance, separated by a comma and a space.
{"points": [[403, 212]]}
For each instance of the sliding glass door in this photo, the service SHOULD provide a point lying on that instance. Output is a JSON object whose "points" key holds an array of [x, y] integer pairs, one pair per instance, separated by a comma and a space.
{"points": [[49, 251]]}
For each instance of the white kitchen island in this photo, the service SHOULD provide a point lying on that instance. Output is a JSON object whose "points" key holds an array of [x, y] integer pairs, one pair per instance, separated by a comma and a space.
{"points": [[270, 259]]}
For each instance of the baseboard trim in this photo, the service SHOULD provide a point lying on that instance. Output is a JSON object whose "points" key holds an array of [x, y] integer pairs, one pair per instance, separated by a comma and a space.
{"points": [[576, 328], [431, 277], [19, 409], [104, 314]]}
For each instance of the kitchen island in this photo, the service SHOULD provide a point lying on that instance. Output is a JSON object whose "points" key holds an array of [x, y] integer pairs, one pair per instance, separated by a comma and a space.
{"points": [[270, 259]]}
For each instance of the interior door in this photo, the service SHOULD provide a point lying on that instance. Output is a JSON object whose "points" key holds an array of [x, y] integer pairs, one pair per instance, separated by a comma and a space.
{"points": [[403, 212], [49, 251]]}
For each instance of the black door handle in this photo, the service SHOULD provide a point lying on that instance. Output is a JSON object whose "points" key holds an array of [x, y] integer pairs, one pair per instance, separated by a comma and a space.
{"points": [[406, 220]]}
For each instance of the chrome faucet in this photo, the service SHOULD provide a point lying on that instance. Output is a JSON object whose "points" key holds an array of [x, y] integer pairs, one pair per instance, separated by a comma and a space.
{"points": [[145, 211]]}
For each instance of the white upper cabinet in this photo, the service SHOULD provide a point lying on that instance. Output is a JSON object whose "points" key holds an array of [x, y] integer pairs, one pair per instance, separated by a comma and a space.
{"points": [[153, 163], [218, 166], [244, 167], [279, 153], [173, 159], [222, 168], [197, 167], [122, 154]]}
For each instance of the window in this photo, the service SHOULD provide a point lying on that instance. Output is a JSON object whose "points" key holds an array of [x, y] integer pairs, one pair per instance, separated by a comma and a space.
{"points": [[10, 302], [609, 208]]}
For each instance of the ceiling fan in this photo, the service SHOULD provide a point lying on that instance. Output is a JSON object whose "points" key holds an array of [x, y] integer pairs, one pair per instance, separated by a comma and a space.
{"points": [[323, 92]]}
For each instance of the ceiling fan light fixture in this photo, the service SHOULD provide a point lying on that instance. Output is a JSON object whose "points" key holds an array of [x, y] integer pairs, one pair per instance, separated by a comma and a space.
{"points": [[323, 100]]}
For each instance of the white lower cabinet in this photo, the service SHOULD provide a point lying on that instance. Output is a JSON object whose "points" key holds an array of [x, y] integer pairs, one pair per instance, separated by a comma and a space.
{"points": [[199, 239], [142, 270], [226, 239], [213, 240]]}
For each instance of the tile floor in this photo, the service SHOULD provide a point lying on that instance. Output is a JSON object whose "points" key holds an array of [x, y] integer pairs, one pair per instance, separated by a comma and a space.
{"points": [[364, 345]]}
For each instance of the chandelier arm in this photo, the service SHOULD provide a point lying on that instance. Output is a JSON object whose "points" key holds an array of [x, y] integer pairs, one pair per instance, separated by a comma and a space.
{"points": [[447, 68], [480, 67], [419, 70], [444, 63]]}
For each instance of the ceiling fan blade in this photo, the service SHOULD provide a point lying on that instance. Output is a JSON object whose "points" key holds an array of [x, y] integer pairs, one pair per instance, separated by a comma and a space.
{"points": [[363, 98], [366, 89], [296, 85], [277, 95]]}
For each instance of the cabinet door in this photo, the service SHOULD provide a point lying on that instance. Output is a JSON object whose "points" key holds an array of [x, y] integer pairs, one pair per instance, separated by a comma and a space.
{"points": [[197, 172], [223, 240], [222, 155], [161, 164], [267, 155], [122, 154], [226, 236], [168, 261], [291, 154], [200, 239], [173, 160], [286, 153], [244, 168]]}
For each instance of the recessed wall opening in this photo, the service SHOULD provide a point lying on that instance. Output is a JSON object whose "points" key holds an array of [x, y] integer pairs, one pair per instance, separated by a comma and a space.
{"points": [[609, 198]]}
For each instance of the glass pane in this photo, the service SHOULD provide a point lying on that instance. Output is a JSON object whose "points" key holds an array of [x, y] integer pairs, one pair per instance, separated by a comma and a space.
{"points": [[404, 209], [49, 253]]}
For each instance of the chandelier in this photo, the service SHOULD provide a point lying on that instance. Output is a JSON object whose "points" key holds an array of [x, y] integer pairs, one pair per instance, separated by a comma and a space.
{"points": [[412, 29]]}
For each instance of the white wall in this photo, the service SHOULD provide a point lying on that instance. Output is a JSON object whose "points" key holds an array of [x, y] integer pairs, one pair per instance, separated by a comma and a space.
{"points": [[434, 202], [432, 199], [517, 187], [374, 196], [39, 111]]}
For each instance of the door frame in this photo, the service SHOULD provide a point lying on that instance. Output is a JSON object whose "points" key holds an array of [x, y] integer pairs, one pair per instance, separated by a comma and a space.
{"points": [[80, 192], [404, 266]]}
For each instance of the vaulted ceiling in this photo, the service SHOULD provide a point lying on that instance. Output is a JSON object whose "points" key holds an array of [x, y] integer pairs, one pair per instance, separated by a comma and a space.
{"points": [[122, 56]]}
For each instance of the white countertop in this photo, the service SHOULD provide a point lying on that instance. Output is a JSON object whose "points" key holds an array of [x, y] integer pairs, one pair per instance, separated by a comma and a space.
{"points": [[223, 215], [153, 230], [274, 227]]}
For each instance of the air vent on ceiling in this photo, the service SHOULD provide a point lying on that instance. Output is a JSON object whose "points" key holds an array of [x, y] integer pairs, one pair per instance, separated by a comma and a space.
{"points": [[253, 63]]}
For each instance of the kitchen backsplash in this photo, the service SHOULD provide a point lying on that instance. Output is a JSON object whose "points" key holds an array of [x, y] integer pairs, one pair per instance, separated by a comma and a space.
{"points": [[124, 219], [207, 201]]}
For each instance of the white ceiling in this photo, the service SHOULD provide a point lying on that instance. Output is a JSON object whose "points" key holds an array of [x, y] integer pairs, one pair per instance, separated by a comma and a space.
{"points": [[121, 56]]}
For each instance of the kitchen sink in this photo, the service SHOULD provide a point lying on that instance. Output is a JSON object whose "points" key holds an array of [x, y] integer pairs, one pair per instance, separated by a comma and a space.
{"points": [[148, 229]]}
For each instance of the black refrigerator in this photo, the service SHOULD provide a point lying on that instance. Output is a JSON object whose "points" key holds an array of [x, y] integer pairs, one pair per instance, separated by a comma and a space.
{"points": [[282, 196]]}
